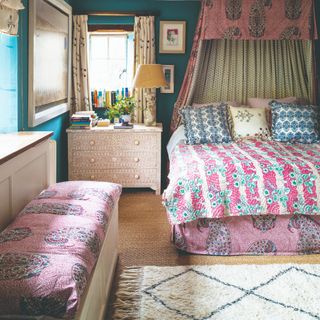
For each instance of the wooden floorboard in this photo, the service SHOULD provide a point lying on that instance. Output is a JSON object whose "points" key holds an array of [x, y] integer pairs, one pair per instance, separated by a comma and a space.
{"points": [[144, 239]]}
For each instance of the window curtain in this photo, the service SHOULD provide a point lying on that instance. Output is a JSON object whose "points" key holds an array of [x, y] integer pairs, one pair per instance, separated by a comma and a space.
{"points": [[144, 35], [236, 70], [9, 16], [80, 78]]}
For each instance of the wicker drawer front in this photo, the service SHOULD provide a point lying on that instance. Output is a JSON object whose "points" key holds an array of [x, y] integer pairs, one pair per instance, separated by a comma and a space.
{"points": [[112, 141], [125, 177], [84, 160]]}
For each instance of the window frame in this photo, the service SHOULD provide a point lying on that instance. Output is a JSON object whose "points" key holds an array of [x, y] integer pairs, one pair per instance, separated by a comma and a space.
{"points": [[109, 33]]}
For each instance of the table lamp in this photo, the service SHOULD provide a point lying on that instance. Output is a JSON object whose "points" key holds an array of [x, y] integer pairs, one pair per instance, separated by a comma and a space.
{"points": [[149, 76]]}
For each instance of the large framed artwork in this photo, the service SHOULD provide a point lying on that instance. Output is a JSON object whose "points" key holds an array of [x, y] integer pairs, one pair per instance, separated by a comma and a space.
{"points": [[172, 37], [50, 23]]}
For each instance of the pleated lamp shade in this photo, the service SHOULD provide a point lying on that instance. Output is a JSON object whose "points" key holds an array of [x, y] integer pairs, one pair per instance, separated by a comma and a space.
{"points": [[149, 76]]}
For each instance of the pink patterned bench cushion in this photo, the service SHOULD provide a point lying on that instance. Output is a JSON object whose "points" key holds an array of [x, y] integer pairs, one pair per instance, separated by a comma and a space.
{"points": [[49, 251]]}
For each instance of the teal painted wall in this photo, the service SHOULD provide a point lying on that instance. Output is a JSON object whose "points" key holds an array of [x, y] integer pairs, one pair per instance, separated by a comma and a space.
{"points": [[168, 10], [173, 10], [58, 124]]}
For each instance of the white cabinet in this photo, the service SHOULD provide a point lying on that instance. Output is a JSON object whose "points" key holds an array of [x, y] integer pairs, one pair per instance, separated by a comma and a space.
{"points": [[130, 157], [27, 166]]}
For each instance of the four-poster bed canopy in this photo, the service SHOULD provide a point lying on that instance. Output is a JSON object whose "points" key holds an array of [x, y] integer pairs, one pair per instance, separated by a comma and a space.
{"points": [[284, 28], [237, 184]]}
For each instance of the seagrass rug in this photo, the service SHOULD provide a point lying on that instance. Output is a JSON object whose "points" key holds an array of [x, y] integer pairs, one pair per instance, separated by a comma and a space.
{"points": [[228, 292]]}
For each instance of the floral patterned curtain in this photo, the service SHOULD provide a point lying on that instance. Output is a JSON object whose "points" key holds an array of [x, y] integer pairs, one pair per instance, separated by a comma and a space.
{"points": [[259, 19], [9, 16], [145, 53], [188, 85], [80, 79]]}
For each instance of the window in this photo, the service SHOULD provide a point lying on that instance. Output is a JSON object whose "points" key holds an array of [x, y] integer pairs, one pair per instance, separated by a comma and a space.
{"points": [[110, 61], [8, 83]]}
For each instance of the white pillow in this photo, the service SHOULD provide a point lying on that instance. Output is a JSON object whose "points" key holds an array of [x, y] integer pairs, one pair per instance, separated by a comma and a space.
{"points": [[249, 123], [177, 137]]}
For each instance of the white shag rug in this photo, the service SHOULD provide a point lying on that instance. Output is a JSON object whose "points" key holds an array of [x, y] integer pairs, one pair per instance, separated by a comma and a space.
{"points": [[226, 292]]}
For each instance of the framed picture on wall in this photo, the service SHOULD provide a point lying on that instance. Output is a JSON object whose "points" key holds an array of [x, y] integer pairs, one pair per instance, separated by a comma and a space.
{"points": [[172, 37], [49, 92], [168, 71]]}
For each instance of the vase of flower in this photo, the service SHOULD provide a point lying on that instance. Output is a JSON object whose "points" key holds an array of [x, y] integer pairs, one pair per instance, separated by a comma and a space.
{"points": [[126, 119], [123, 109]]}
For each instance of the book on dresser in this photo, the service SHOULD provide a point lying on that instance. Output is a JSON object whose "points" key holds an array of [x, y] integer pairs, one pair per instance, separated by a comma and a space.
{"points": [[131, 158]]}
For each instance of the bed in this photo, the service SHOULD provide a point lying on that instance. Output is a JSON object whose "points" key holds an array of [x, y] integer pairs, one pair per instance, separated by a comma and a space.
{"points": [[248, 197]]}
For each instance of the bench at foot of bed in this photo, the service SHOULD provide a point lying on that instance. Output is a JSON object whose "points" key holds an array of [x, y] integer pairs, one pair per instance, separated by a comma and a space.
{"points": [[58, 257]]}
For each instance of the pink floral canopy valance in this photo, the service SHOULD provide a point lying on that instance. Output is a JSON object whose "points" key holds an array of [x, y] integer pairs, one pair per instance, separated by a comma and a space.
{"points": [[243, 20], [258, 20]]}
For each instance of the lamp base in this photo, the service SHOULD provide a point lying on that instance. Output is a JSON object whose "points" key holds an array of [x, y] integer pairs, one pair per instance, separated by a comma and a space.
{"points": [[150, 111]]}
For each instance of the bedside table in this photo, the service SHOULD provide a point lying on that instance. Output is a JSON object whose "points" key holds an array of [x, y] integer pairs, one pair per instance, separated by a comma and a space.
{"points": [[130, 157]]}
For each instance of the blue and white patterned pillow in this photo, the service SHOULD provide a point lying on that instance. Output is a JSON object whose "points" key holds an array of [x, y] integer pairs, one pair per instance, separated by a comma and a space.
{"points": [[294, 123], [206, 124]]}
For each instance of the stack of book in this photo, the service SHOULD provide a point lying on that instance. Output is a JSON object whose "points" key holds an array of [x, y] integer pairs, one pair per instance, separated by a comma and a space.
{"points": [[82, 120]]}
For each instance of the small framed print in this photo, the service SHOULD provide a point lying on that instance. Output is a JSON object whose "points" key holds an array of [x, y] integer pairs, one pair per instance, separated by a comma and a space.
{"points": [[172, 37], [168, 71]]}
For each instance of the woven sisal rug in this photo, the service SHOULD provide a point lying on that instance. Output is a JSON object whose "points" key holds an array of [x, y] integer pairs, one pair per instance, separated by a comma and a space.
{"points": [[226, 292]]}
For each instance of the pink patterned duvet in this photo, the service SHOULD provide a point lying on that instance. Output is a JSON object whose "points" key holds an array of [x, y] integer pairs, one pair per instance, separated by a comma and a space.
{"points": [[49, 251], [247, 178]]}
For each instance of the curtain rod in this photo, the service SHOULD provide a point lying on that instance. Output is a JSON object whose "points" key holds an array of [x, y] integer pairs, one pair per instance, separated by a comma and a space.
{"points": [[118, 13]]}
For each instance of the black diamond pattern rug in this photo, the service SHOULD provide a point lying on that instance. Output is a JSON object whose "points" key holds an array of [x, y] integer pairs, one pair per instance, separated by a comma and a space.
{"points": [[228, 292]]}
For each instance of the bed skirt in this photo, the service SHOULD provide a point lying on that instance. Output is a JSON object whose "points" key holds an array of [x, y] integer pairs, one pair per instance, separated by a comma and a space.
{"points": [[250, 235]]}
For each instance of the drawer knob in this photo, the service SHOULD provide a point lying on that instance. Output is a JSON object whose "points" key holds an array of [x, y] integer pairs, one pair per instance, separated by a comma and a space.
{"points": [[136, 142], [92, 143], [136, 159], [92, 160], [92, 177], [137, 176]]}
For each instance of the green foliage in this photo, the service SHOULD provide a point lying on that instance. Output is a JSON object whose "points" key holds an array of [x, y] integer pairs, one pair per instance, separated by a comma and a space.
{"points": [[124, 105]]}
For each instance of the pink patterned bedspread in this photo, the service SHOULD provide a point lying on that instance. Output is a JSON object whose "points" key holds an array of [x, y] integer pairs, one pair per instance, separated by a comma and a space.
{"points": [[49, 251], [247, 178]]}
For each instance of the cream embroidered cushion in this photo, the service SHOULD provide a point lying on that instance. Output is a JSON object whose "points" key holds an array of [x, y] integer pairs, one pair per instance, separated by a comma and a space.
{"points": [[249, 122]]}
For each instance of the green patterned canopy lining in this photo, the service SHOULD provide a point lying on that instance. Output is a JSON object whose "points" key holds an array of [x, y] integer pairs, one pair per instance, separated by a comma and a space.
{"points": [[236, 70]]}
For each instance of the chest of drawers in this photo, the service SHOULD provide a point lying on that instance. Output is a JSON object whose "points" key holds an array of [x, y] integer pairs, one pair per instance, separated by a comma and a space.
{"points": [[130, 157]]}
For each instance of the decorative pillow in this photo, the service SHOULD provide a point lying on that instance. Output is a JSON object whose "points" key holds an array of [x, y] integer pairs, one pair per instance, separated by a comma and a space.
{"points": [[249, 123], [206, 125], [215, 104], [265, 103], [294, 123]]}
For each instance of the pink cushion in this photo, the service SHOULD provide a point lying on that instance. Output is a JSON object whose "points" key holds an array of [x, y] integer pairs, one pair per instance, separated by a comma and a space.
{"points": [[264, 102], [229, 103]]}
